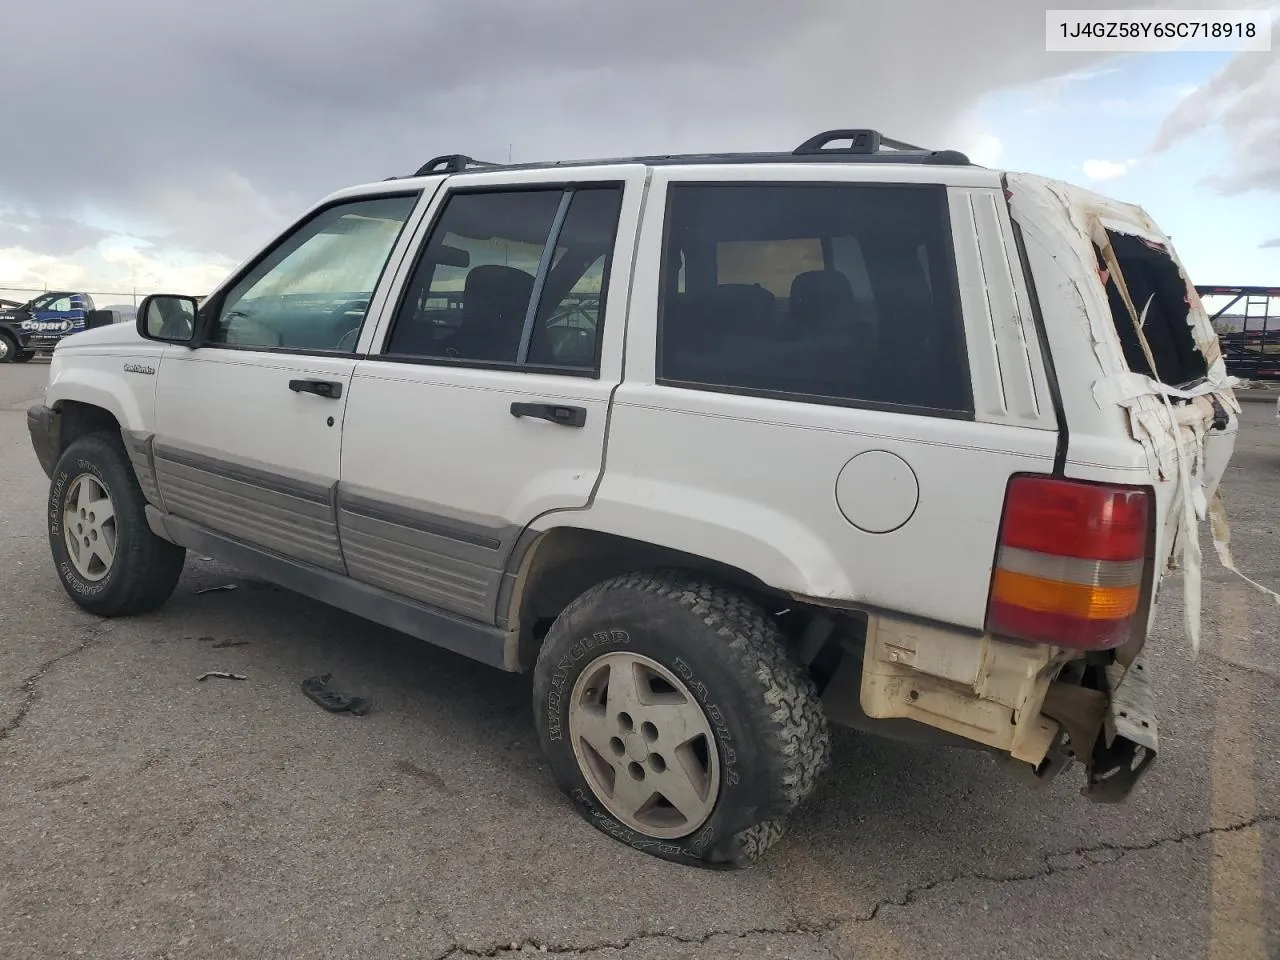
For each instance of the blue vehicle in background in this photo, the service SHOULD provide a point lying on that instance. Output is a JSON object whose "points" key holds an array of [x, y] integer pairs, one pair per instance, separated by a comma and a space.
{"points": [[37, 326]]}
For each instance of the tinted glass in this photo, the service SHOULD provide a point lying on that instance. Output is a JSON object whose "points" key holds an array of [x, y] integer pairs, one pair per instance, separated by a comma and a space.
{"points": [[313, 290], [844, 293], [566, 332], [471, 288], [469, 297]]}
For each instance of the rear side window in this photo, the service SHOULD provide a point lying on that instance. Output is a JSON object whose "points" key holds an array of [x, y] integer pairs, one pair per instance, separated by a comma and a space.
{"points": [[1159, 297], [828, 293]]}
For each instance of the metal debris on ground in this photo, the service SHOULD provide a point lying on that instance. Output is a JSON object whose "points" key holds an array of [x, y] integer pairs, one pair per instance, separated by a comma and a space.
{"points": [[317, 690], [217, 589], [223, 674]]}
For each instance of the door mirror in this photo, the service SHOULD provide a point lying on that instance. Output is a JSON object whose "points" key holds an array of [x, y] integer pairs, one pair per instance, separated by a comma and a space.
{"points": [[168, 318]]}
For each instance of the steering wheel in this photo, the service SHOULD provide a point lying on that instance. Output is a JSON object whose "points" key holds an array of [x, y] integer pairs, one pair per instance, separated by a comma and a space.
{"points": [[348, 341], [343, 313]]}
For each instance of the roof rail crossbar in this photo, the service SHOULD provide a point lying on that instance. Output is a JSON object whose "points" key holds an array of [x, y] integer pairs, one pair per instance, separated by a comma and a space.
{"points": [[898, 144], [450, 163], [861, 141], [869, 143]]}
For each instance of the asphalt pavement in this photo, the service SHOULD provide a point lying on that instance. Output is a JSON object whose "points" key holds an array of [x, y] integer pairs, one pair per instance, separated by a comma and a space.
{"points": [[144, 814]]}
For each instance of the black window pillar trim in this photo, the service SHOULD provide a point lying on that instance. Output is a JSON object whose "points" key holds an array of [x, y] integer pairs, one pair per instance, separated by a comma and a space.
{"points": [[540, 280]]}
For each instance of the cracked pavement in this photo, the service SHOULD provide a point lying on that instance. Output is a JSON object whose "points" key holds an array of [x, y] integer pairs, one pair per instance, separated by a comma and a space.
{"points": [[146, 815]]}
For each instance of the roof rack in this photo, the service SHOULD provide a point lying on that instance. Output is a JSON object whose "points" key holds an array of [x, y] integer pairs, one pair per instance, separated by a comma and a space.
{"points": [[864, 145], [446, 163], [871, 142], [451, 163]]}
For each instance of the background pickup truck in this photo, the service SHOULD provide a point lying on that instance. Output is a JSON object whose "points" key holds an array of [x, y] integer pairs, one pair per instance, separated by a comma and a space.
{"points": [[37, 326]]}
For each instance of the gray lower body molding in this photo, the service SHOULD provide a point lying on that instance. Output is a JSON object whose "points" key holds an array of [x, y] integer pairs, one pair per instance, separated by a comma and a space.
{"points": [[487, 644]]}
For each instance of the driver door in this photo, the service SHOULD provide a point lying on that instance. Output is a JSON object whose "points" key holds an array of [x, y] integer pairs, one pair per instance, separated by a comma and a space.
{"points": [[248, 421]]}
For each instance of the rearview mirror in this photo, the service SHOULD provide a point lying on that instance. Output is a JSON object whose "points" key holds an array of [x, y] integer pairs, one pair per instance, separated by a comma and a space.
{"points": [[168, 318]]}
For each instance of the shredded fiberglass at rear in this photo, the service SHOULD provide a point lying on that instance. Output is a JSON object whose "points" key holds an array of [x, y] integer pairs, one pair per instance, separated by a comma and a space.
{"points": [[1172, 436]]}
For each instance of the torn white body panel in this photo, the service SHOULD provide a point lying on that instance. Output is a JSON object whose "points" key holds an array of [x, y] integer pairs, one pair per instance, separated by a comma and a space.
{"points": [[1177, 436]]}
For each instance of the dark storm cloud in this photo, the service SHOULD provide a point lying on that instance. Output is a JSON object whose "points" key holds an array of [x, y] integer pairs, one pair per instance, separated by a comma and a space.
{"points": [[213, 124]]}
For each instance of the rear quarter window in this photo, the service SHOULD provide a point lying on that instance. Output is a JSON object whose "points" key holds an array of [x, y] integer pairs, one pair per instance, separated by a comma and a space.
{"points": [[825, 293], [1158, 293]]}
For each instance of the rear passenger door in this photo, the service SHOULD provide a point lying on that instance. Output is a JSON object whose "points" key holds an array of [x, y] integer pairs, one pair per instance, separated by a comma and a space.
{"points": [[485, 400]]}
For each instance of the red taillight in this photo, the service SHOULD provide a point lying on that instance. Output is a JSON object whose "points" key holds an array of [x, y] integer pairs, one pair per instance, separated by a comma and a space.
{"points": [[1071, 519], [1071, 561]]}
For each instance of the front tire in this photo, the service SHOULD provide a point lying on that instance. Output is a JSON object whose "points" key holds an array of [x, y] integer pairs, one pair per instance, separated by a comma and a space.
{"points": [[8, 348], [673, 718], [107, 558]]}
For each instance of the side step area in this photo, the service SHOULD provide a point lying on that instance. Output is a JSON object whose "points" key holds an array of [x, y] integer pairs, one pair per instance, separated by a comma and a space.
{"points": [[487, 644]]}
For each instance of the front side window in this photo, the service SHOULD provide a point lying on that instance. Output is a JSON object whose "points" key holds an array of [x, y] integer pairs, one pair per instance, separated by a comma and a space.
{"points": [[471, 298], [313, 290], [837, 293]]}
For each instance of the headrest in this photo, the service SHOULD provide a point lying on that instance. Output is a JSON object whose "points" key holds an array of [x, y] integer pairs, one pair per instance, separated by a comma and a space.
{"points": [[500, 280], [821, 292], [740, 306]]}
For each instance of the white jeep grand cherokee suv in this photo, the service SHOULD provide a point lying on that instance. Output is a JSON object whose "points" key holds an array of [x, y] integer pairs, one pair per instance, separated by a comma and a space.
{"points": [[722, 448]]}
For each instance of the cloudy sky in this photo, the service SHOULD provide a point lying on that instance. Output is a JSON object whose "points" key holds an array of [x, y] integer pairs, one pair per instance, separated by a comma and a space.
{"points": [[156, 144]]}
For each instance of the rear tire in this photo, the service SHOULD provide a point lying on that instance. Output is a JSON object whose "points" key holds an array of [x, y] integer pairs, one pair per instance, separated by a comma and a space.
{"points": [[107, 558], [8, 348], [673, 718]]}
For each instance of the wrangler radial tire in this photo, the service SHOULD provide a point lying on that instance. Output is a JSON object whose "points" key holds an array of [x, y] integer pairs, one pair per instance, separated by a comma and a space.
{"points": [[145, 569], [762, 716]]}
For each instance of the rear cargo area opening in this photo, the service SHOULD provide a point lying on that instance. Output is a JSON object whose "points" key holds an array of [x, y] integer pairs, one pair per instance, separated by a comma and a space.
{"points": [[1155, 285]]}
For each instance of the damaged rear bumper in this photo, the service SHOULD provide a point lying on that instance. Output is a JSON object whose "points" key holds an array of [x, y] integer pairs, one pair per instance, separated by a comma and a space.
{"points": [[1014, 699], [1127, 744]]}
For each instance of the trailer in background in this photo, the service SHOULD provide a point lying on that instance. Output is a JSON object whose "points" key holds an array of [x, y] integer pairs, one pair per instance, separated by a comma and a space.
{"points": [[1247, 320]]}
